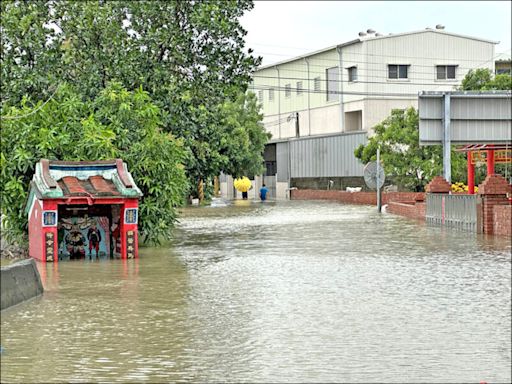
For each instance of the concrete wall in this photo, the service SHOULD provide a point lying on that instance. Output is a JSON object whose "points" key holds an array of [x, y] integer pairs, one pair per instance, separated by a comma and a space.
{"points": [[338, 183], [19, 282]]}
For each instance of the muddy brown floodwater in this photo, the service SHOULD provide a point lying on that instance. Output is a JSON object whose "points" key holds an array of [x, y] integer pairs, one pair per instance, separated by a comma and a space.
{"points": [[278, 292]]}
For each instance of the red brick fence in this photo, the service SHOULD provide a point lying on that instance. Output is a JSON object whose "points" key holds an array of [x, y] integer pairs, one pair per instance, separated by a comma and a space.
{"points": [[494, 212]]}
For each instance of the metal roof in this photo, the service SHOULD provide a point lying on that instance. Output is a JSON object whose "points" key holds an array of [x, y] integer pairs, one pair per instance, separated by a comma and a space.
{"points": [[371, 38]]}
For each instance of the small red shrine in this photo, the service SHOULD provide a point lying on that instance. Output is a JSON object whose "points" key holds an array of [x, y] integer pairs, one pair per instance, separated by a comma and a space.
{"points": [[82, 209]]}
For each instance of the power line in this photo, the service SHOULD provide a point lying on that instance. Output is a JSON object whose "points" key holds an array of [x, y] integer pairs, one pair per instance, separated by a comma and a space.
{"points": [[356, 81], [437, 85], [368, 67], [306, 90], [368, 54], [385, 70]]}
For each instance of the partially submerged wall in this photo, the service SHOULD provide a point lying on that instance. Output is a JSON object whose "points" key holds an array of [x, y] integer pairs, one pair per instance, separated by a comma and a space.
{"points": [[19, 282], [411, 209], [365, 198]]}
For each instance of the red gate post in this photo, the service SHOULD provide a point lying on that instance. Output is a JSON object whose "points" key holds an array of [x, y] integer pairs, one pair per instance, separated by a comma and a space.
{"points": [[471, 174], [490, 161], [494, 191]]}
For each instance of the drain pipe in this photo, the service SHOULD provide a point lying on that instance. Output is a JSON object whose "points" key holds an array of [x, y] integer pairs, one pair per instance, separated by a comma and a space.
{"points": [[278, 99], [309, 97], [342, 107]]}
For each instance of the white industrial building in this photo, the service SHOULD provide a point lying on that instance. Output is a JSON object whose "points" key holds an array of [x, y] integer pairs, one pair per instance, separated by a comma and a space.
{"points": [[347, 89]]}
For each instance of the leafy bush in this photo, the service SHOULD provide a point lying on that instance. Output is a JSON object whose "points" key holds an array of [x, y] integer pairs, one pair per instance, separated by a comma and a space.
{"points": [[117, 124]]}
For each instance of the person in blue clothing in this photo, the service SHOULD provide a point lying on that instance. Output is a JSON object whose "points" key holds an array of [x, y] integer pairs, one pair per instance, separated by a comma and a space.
{"points": [[263, 192]]}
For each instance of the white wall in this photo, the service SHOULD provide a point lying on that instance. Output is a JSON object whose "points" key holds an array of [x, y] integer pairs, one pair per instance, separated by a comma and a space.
{"points": [[422, 51]]}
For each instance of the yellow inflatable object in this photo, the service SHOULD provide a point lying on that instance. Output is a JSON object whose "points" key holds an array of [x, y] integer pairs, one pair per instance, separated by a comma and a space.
{"points": [[243, 184]]}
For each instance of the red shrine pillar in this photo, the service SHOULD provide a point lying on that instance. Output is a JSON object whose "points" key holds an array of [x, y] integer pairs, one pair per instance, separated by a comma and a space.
{"points": [[471, 174], [129, 230], [490, 161]]}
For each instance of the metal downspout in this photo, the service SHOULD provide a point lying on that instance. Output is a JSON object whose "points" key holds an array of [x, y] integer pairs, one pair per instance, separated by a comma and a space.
{"points": [[342, 107], [278, 99], [447, 166], [309, 97]]}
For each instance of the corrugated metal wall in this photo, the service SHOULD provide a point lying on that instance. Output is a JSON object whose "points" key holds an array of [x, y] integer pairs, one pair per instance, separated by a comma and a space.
{"points": [[322, 156], [282, 162]]}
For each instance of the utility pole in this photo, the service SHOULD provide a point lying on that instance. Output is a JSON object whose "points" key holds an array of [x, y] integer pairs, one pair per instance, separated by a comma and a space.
{"points": [[297, 131], [379, 204]]}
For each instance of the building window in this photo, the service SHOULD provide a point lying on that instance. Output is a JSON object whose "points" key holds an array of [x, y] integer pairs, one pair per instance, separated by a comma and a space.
{"points": [[299, 87], [332, 83], [287, 90], [271, 94], [352, 74], [260, 96], [503, 71], [445, 72], [316, 84], [398, 71]]}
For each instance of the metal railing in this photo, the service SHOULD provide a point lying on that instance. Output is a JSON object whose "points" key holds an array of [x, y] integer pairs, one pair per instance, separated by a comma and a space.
{"points": [[457, 211]]}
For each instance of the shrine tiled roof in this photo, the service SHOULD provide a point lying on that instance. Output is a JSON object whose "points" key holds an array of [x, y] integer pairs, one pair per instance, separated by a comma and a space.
{"points": [[94, 179], [94, 185]]}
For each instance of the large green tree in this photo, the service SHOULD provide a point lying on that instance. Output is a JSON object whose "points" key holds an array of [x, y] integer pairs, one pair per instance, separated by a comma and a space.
{"points": [[189, 56], [410, 165], [116, 123], [482, 80]]}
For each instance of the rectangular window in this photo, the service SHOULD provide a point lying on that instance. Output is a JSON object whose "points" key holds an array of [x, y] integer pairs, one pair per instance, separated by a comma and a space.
{"points": [[398, 71], [332, 83], [316, 84], [271, 94], [503, 71], [299, 87], [352, 74], [260, 96], [287, 90], [445, 72]]}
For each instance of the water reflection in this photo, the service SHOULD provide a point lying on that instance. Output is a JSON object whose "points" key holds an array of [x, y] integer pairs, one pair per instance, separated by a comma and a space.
{"points": [[297, 291]]}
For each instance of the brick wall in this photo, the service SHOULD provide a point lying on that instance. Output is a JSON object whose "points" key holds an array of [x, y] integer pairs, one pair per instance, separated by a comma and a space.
{"points": [[364, 198], [411, 209], [502, 220], [494, 190]]}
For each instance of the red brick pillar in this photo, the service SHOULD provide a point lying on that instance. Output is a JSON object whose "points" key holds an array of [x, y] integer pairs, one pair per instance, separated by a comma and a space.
{"points": [[438, 185], [494, 191]]}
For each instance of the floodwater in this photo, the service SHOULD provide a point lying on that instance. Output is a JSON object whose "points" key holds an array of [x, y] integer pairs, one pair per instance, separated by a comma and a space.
{"points": [[276, 292]]}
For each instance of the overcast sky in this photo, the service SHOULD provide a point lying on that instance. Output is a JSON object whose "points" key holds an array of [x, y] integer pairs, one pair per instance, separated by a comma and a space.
{"points": [[278, 30]]}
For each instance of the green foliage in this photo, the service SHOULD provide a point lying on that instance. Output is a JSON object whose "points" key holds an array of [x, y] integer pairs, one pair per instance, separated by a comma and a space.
{"points": [[482, 80], [189, 56], [117, 123], [410, 165], [245, 139]]}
